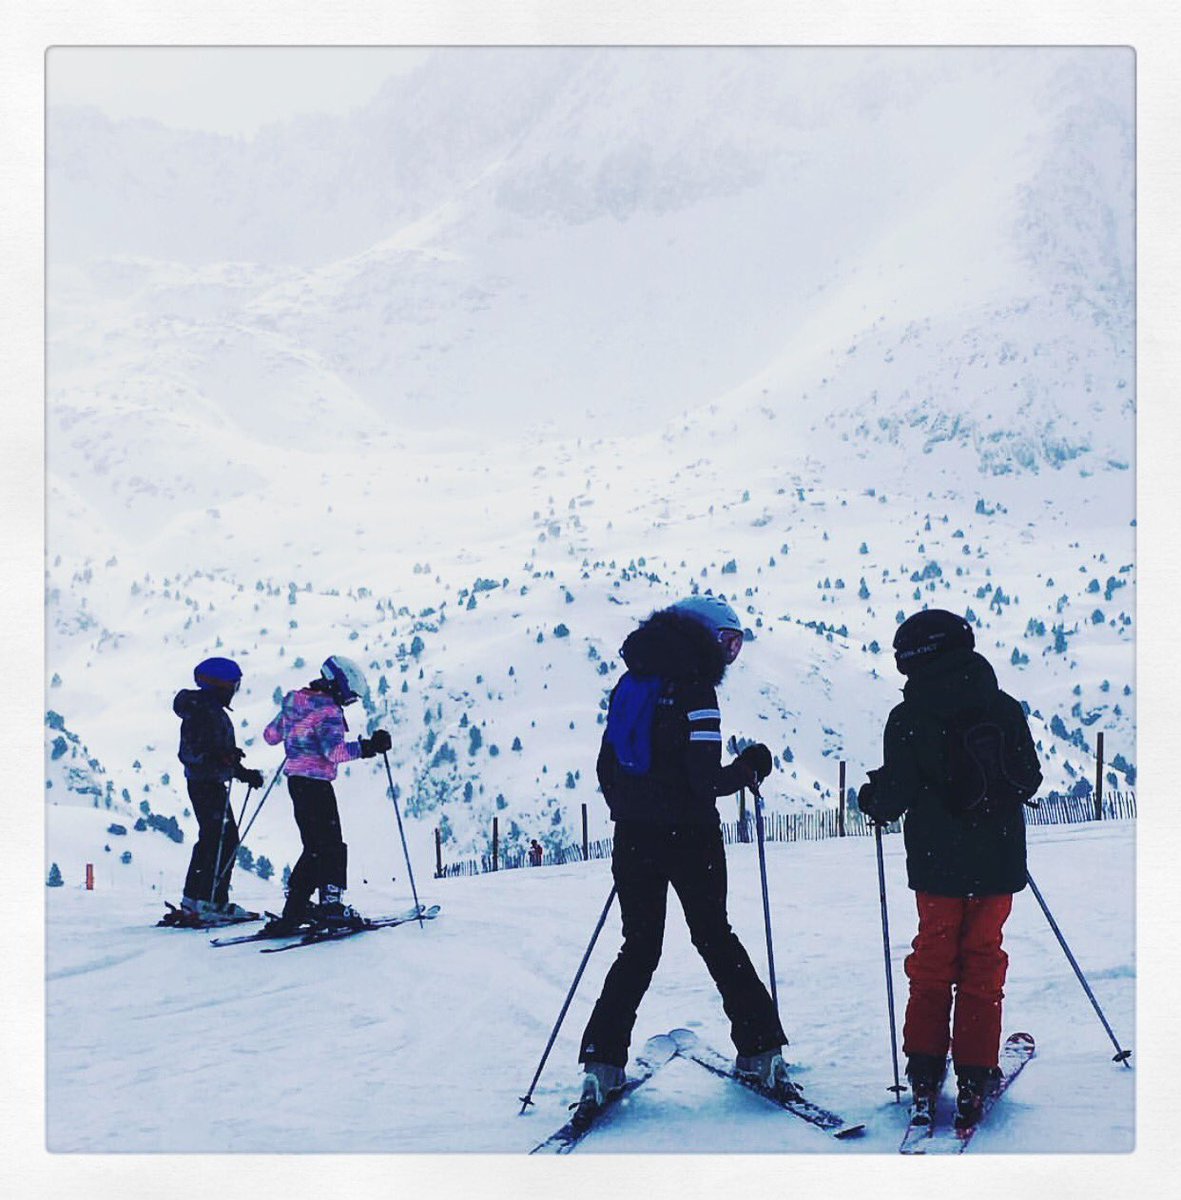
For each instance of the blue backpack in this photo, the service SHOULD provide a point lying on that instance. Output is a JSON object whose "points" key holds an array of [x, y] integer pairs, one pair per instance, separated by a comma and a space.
{"points": [[629, 721]]}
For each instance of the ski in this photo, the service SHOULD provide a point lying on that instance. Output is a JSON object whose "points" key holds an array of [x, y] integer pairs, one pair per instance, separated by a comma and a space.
{"points": [[656, 1053], [690, 1046], [259, 935], [1015, 1053], [923, 1115], [336, 933], [178, 918]]}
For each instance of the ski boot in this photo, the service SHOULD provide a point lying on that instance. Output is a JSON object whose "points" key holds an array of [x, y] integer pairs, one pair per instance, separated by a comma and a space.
{"points": [[332, 911], [925, 1074], [294, 919], [192, 914], [339, 915], [599, 1082], [769, 1071], [976, 1085]]}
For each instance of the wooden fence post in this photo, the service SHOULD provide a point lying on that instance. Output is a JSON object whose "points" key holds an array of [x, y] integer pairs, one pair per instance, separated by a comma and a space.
{"points": [[438, 854], [1099, 777], [495, 843], [841, 806], [585, 843]]}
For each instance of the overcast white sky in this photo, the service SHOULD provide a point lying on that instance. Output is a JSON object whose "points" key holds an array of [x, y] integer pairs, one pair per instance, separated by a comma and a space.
{"points": [[222, 89]]}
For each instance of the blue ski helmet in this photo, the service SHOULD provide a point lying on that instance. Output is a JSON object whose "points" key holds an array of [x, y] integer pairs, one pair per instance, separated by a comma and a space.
{"points": [[928, 633], [218, 675], [346, 680], [710, 611], [718, 617]]}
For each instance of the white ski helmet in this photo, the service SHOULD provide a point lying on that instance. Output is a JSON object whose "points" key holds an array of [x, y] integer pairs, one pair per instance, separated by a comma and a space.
{"points": [[346, 679]]}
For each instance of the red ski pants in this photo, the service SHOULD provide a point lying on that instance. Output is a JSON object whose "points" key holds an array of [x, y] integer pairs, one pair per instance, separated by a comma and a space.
{"points": [[958, 946]]}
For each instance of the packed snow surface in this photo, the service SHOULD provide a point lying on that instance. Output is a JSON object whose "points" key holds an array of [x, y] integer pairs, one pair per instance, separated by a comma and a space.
{"points": [[410, 1039]]}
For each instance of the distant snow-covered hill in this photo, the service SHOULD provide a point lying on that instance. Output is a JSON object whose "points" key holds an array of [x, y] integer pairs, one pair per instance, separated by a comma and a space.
{"points": [[615, 234]]}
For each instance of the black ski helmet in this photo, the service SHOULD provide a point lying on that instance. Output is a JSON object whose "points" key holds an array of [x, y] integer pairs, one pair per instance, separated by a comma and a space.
{"points": [[927, 634], [218, 675]]}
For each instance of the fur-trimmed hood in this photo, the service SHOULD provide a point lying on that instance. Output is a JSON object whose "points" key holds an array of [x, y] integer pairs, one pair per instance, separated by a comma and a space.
{"points": [[674, 646]]}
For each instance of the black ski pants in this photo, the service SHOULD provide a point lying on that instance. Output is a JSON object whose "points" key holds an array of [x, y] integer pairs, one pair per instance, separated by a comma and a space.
{"points": [[211, 804], [646, 859], [324, 860]]}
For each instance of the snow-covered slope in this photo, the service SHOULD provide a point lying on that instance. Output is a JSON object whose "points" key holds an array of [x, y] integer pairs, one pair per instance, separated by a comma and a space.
{"points": [[411, 1040]]}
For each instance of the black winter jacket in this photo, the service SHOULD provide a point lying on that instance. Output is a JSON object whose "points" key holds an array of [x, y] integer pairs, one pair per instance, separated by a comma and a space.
{"points": [[951, 853], [207, 746], [686, 774]]}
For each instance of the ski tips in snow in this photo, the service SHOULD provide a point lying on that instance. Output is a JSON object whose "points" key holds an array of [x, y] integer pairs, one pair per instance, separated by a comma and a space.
{"points": [[657, 1051], [936, 1136], [682, 1042], [789, 1098], [337, 933], [309, 935]]}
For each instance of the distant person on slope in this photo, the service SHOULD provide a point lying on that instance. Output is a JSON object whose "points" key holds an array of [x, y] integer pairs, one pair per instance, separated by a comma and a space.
{"points": [[958, 761], [313, 730], [211, 759], [660, 770]]}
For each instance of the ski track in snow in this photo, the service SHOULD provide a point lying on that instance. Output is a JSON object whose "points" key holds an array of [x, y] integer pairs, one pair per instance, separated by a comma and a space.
{"points": [[409, 1040]]}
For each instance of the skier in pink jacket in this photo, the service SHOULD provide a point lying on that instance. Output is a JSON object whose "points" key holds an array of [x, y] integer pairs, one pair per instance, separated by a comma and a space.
{"points": [[312, 727]]}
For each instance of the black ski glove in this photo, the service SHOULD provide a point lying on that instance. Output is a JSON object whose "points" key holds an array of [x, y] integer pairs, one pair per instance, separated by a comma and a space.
{"points": [[379, 743], [757, 761], [252, 777], [865, 794]]}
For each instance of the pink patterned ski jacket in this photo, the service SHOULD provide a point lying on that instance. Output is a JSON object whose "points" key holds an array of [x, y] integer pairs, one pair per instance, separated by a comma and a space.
{"points": [[312, 728]]}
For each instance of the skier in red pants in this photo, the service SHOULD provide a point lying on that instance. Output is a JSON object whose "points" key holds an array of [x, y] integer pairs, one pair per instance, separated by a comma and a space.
{"points": [[958, 761]]}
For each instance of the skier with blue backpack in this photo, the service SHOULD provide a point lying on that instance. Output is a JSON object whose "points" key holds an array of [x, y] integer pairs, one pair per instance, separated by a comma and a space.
{"points": [[660, 769]]}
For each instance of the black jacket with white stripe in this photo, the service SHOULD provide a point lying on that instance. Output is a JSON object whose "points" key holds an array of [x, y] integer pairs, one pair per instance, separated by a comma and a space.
{"points": [[686, 775]]}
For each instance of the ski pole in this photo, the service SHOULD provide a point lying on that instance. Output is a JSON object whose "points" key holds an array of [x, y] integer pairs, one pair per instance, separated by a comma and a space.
{"points": [[754, 787], [402, 832], [1120, 1054], [897, 1089], [254, 815], [221, 837], [527, 1098]]}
